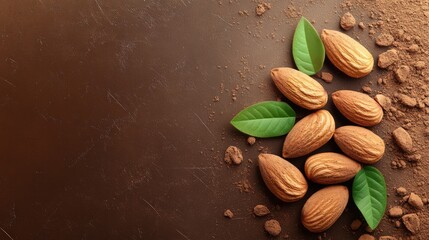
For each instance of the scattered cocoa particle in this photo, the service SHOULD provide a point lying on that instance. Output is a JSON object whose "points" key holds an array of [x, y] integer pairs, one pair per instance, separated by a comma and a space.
{"points": [[407, 100], [228, 214], [366, 89], [261, 210], [413, 157], [347, 21], [262, 8], [387, 58], [385, 102], [413, 48], [425, 201], [415, 201], [395, 212], [401, 191], [355, 225], [366, 237], [397, 224], [411, 222], [216, 99], [233, 155], [327, 77], [244, 186], [387, 238], [384, 40], [419, 65], [243, 13], [403, 139], [251, 140], [402, 73], [273, 227], [361, 25]]}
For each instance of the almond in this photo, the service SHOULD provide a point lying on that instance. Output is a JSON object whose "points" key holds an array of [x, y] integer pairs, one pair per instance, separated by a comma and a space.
{"points": [[358, 107], [360, 144], [324, 207], [347, 54], [309, 134], [283, 179], [330, 168], [298, 87]]}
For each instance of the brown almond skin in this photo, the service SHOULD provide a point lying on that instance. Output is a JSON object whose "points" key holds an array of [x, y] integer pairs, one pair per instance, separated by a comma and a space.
{"points": [[347, 54], [324, 208], [300, 88], [358, 107], [330, 168], [309, 134], [360, 144], [282, 178]]}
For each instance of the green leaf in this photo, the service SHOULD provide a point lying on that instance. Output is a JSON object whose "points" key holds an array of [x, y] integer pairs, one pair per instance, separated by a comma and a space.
{"points": [[307, 48], [265, 119], [369, 195]]}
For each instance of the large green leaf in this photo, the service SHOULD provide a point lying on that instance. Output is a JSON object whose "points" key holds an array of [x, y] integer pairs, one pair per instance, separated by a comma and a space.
{"points": [[307, 48], [265, 119], [369, 195]]}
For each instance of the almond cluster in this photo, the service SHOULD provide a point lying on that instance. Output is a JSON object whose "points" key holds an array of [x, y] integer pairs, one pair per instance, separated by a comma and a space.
{"points": [[358, 144]]}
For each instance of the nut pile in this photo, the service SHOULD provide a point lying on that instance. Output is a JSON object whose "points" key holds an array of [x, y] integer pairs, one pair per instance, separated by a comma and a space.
{"points": [[359, 145]]}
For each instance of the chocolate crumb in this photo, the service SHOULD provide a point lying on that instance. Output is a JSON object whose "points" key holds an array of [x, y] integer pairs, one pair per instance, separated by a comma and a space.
{"points": [[384, 40], [273, 227], [233, 155], [387, 58], [261, 210], [327, 77], [228, 214], [355, 225], [251, 140], [412, 222], [347, 21], [395, 212], [403, 139], [366, 237], [415, 201]]}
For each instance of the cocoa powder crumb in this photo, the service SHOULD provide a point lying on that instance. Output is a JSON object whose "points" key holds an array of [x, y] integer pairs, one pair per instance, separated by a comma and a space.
{"points": [[262, 8], [228, 214], [411, 222], [261, 210], [366, 89], [402, 73], [355, 225], [403, 139], [347, 21], [385, 102], [413, 48], [387, 58], [251, 140], [384, 40], [233, 155], [387, 238], [401, 191], [366, 237], [395, 212], [273, 227], [407, 100], [419, 65], [327, 77], [361, 25], [415, 201]]}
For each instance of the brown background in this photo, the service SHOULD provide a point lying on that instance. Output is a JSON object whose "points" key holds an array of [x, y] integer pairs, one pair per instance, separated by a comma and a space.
{"points": [[108, 126]]}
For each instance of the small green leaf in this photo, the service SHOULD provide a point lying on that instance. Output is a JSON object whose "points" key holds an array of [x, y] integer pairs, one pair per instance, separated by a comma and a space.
{"points": [[369, 195], [265, 119], [307, 48]]}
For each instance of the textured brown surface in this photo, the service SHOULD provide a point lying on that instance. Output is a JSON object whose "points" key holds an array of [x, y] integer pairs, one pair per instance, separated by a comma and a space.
{"points": [[109, 129]]}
